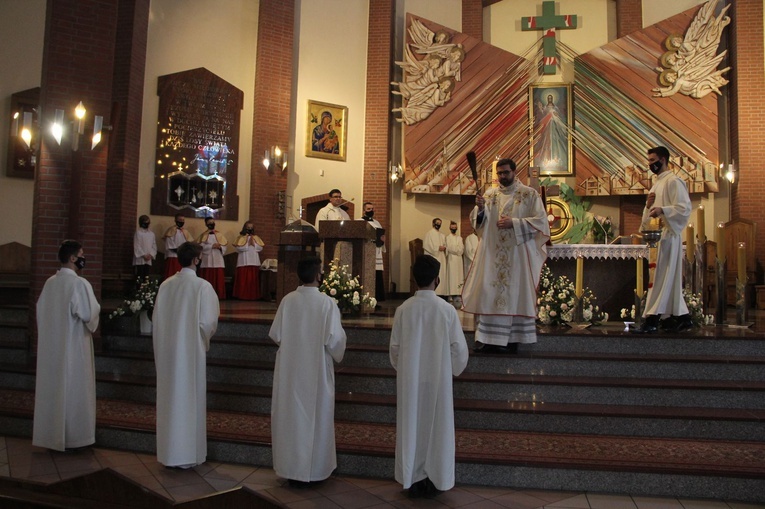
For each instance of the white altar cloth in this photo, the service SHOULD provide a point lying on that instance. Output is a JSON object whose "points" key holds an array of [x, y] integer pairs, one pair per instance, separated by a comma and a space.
{"points": [[593, 251]]}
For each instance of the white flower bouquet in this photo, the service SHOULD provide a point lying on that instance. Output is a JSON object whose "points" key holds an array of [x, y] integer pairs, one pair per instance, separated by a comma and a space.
{"points": [[556, 301], [142, 298], [345, 289]]}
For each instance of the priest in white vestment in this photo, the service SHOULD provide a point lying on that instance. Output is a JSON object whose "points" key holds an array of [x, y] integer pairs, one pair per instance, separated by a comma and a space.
{"points": [[309, 334], [427, 348], [185, 318], [434, 244], [502, 283], [669, 201], [65, 383], [333, 211], [455, 276]]}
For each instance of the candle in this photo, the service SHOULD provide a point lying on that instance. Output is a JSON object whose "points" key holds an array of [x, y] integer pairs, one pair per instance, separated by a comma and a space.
{"points": [[700, 224], [639, 284], [578, 290], [742, 262], [689, 243], [720, 239]]}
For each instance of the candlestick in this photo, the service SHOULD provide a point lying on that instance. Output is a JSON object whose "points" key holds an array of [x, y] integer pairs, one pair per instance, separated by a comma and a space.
{"points": [[689, 242], [741, 261], [700, 230], [720, 239], [578, 290], [639, 284]]}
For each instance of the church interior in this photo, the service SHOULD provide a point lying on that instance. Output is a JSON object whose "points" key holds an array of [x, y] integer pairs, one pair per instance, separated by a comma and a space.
{"points": [[253, 110]]}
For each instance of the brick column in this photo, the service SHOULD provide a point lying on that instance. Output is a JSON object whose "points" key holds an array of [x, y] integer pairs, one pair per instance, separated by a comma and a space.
{"points": [[747, 129], [377, 129], [70, 187], [273, 98], [631, 214], [472, 18], [629, 16], [124, 141]]}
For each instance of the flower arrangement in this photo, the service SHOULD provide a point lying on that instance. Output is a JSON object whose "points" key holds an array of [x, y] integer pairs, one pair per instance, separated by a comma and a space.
{"points": [[556, 301], [142, 298], [695, 309], [344, 289]]}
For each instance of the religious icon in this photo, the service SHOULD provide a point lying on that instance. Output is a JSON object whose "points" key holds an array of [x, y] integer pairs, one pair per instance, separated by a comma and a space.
{"points": [[326, 131], [550, 115]]}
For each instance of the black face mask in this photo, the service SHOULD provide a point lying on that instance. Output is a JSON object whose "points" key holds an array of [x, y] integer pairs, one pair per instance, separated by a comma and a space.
{"points": [[144, 225], [250, 230], [179, 224], [369, 214], [655, 167], [211, 226], [454, 230], [437, 226], [80, 262]]}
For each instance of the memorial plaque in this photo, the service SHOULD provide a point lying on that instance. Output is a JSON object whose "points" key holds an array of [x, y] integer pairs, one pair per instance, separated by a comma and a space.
{"points": [[197, 150]]}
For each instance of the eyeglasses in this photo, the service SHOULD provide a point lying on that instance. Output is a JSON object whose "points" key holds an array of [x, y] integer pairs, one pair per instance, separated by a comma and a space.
{"points": [[504, 172]]}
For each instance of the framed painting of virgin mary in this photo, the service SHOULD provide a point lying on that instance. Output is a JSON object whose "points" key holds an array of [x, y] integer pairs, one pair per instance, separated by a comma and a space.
{"points": [[550, 119]]}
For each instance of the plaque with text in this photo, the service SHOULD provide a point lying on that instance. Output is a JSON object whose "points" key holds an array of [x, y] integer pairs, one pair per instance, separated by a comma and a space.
{"points": [[197, 150]]}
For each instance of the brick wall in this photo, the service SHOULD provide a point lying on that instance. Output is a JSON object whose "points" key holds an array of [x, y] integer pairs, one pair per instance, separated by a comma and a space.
{"points": [[273, 96], [629, 16], [70, 188], [377, 129], [472, 18], [124, 141], [747, 129]]}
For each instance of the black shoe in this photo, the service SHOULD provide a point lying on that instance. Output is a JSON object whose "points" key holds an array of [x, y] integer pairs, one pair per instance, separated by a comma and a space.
{"points": [[684, 323], [301, 485], [668, 324], [418, 489], [478, 347], [645, 328], [430, 489]]}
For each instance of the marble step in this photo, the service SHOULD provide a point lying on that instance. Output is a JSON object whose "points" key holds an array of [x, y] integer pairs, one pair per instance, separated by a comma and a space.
{"points": [[717, 469]]}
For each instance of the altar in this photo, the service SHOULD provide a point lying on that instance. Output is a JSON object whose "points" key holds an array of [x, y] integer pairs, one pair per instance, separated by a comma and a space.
{"points": [[609, 271]]}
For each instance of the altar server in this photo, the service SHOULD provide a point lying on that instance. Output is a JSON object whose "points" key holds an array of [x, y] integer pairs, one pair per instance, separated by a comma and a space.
{"points": [[434, 244], [502, 284], [471, 247], [213, 248], [65, 386], [247, 280], [144, 247], [668, 200], [185, 318], [454, 269], [427, 348], [174, 237], [309, 334]]}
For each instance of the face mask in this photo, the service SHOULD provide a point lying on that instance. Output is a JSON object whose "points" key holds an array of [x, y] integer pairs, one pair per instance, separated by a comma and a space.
{"points": [[454, 230], [211, 226], [144, 225], [655, 167], [369, 214], [80, 263], [250, 230], [437, 226], [198, 263], [179, 224]]}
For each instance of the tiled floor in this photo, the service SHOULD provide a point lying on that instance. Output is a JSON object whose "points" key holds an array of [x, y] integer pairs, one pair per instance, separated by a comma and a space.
{"points": [[20, 459]]}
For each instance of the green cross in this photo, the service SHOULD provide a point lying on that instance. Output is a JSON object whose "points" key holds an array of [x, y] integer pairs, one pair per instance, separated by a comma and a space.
{"points": [[548, 22]]}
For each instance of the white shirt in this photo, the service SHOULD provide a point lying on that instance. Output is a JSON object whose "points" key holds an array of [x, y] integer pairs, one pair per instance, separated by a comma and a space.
{"points": [[185, 318], [144, 242], [65, 387], [427, 348], [309, 334]]}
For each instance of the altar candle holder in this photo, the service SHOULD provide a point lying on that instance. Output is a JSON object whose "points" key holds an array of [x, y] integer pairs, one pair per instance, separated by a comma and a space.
{"points": [[638, 309], [698, 269], [578, 315], [741, 303], [721, 307]]}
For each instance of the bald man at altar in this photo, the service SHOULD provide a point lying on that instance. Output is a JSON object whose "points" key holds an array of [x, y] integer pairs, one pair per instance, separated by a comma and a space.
{"points": [[501, 287]]}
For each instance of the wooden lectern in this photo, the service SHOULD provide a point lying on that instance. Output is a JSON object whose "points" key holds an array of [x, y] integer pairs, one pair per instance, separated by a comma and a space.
{"points": [[361, 235], [297, 241]]}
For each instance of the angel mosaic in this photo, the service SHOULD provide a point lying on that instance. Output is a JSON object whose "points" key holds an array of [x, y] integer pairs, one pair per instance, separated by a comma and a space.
{"points": [[690, 64], [431, 67]]}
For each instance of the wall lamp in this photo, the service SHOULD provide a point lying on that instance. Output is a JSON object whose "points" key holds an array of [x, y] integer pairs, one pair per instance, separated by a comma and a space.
{"points": [[78, 127], [275, 157], [395, 172], [728, 173]]}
